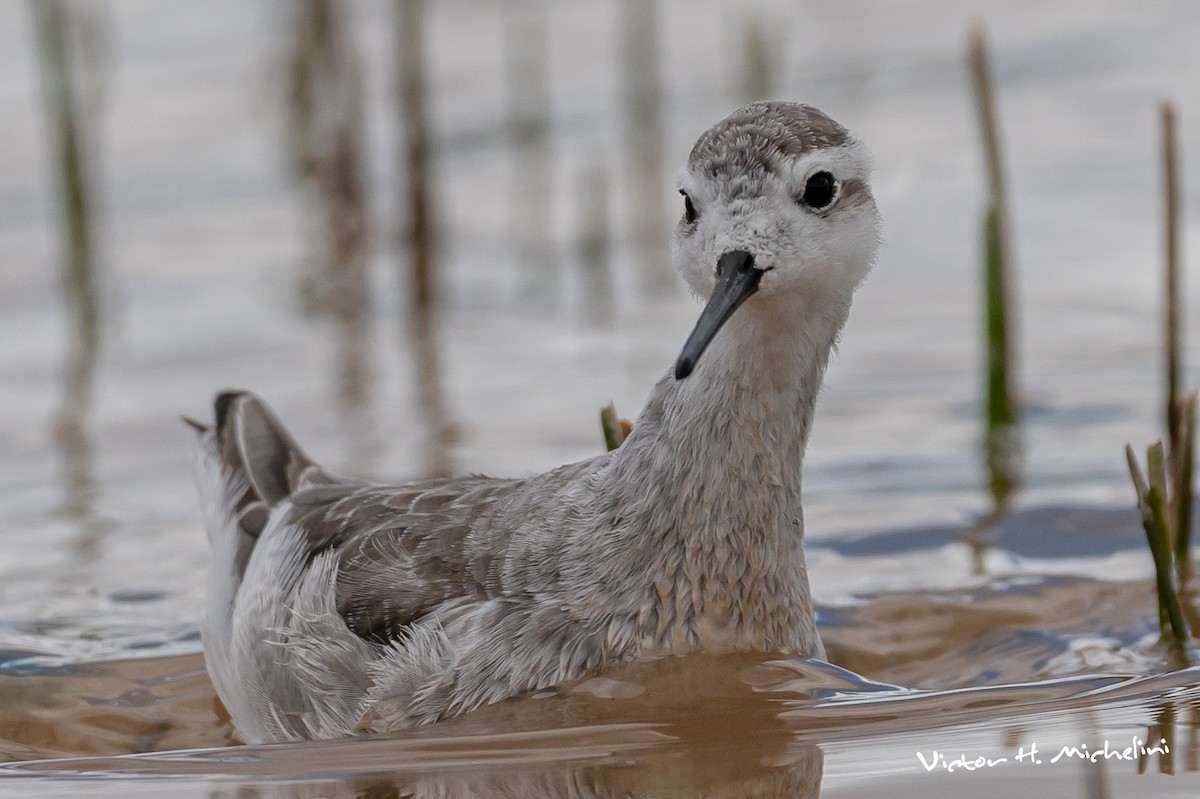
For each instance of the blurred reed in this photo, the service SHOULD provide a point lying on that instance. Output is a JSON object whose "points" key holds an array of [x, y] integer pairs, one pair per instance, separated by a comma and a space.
{"points": [[1002, 414], [593, 241], [1192, 727], [1172, 299], [1163, 729], [639, 24], [326, 136], [68, 131], [62, 42], [1183, 495], [1096, 781], [421, 239], [762, 58], [527, 73], [1167, 499], [415, 157], [1180, 411]]}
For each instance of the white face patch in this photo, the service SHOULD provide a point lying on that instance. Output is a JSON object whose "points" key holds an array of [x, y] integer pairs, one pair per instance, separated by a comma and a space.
{"points": [[760, 211], [848, 162]]}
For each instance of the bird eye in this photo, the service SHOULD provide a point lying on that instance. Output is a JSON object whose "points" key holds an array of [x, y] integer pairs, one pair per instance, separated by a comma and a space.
{"points": [[689, 210], [820, 191]]}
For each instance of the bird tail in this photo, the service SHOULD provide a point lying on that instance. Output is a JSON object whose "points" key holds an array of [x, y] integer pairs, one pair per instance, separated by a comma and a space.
{"points": [[246, 464]]}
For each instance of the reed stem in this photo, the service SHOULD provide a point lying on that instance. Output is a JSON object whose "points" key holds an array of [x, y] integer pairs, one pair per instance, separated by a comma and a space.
{"points": [[1180, 411], [615, 428], [640, 23], [593, 237], [326, 133], [1002, 444], [410, 29], [1185, 460], [441, 431], [67, 124], [1173, 296], [1152, 503], [760, 57]]}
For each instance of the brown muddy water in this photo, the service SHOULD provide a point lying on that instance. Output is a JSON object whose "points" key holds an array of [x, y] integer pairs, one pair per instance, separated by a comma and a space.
{"points": [[1029, 644]]}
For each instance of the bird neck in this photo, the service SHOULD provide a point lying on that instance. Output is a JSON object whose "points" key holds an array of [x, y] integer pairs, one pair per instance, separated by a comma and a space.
{"points": [[716, 460], [742, 419]]}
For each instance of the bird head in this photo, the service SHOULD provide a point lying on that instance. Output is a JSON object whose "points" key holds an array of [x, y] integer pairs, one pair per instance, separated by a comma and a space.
{"points": [[777, 205]]}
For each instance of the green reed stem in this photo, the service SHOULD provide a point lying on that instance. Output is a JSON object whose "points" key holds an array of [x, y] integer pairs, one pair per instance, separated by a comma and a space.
{"points": [[1152, 503], [410, 21], [1185, 460], [1001, 411], [67, 118], [1173, 296], [1180, 411], [610, 424], [62, 109]]}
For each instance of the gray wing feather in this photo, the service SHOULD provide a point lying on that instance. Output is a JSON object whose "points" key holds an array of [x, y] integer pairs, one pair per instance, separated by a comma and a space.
{"points": [[399, 551], [326, 658], [406, 551]]}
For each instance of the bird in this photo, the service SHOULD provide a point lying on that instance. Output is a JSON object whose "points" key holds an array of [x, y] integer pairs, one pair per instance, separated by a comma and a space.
{"points": [[339, 607]]}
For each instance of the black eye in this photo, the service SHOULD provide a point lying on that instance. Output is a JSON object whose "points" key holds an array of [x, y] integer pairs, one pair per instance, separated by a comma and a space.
{"points": [[819, 191], [689, 210]]}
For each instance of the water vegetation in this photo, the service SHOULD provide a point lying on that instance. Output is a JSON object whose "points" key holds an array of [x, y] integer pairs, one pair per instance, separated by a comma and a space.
{"points": [[1001, 409], [1165, 500], [615, 429]]}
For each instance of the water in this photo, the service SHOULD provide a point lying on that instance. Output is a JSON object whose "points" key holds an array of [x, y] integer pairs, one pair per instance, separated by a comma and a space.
{"points": [[764, 729], [203, 237]]}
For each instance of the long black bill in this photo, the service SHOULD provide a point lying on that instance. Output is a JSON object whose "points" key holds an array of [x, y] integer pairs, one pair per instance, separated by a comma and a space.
{"points": [[737, 279]]}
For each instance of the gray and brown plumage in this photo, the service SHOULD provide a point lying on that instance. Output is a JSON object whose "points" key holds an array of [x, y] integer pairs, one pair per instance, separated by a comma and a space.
{"points": [[337, 606]]}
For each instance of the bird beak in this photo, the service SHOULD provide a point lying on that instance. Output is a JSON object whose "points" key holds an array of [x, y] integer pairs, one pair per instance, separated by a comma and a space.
{"points": [[737, 279]]}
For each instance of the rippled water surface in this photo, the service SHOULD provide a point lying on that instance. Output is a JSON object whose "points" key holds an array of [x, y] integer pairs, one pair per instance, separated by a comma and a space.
{"points": [[1041, 631]]}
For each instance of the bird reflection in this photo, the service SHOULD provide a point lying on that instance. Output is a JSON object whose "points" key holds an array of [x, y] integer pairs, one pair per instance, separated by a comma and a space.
{"points": [[696, 726], [719, 778]]}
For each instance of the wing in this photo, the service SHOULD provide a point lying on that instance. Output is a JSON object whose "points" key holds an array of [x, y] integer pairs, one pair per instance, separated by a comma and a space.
{"points": [[404, 551], [400, 551]]}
